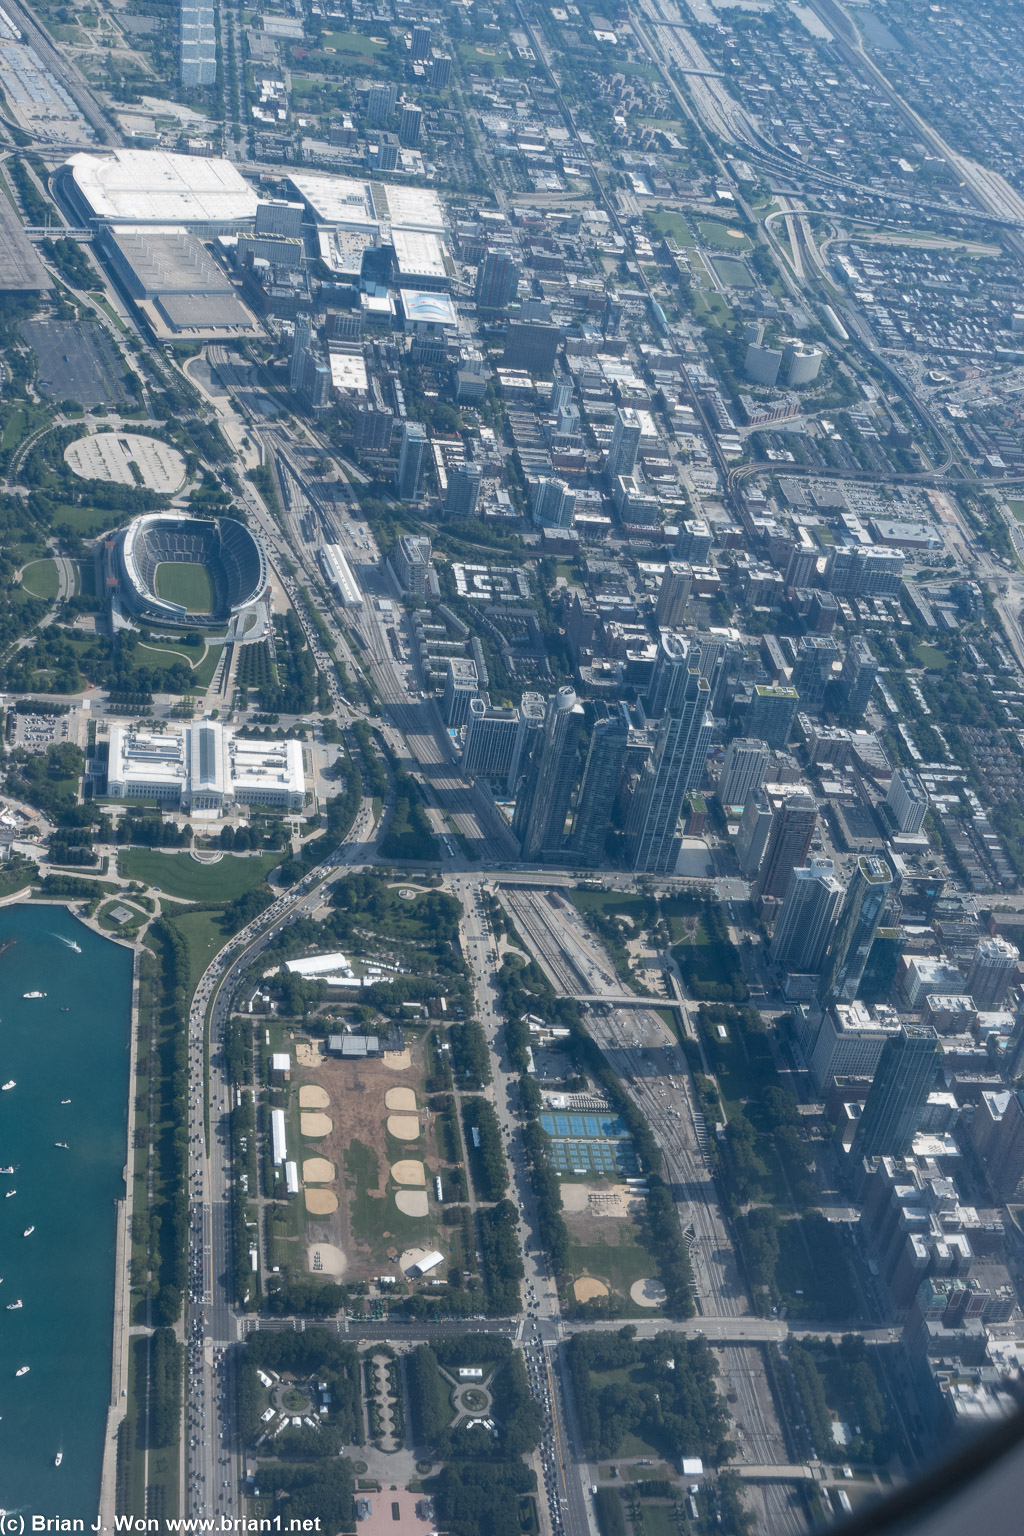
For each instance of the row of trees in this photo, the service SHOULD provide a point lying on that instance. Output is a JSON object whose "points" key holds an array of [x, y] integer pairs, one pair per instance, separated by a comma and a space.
{"points": [[486, 1156]]}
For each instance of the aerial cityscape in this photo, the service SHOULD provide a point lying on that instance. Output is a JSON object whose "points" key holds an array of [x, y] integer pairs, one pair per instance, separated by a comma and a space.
{"points": [[512, 783]]}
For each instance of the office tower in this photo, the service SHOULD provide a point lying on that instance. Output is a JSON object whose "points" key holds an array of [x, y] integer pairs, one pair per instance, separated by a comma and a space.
{"points": [[676, 765], [855, 571], [812, 670], [694, 541], [670, 676], [743, 770], [907, 801], [602, 775], [543, 799], [805, 922], [903, 1080], [463, 491], [410, 563], [857, 678], [800, 567], [420, 48], [460, 685], [386, 156], [674, 595], [497, 280], [625, 444], [788, 843], [410, 125], [276, 217], [441, 72], [372, 428], [992, 970], [771, 712], [494, 742], [997, 1135], [302, 342], [553, 504], [560, 398], [412, 460], [753, 832], [532, 345], [380, 103], [866, 896]]}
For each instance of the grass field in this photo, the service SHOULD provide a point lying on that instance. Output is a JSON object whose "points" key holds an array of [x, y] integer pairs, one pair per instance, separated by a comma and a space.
{"points": [[85, 520], [664, 222], [203, 938], [733, 273], [1017, 508], [179, 875], [721, 237], [189, 585], [931, 656], [352, 42], [620, 1264], [40, 579]]}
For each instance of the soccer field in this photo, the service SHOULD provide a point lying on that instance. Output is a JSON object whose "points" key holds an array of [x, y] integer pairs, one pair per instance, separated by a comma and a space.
{"points": [[188, 585]]}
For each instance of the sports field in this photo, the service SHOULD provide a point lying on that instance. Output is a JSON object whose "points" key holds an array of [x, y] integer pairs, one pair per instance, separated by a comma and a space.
{"points": [[189, 585]]}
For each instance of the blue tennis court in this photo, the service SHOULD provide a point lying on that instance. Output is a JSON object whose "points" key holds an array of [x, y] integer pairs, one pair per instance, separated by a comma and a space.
{"points": [[589, 1144]]}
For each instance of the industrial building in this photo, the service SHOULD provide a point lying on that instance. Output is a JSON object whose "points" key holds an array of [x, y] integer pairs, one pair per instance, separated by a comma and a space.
{"points": [[203, 767]]}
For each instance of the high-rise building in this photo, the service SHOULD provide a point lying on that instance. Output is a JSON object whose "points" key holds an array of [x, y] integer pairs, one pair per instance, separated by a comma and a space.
{"points": [[384, 155], [625, 444], [553, 503], [461, 684], [670, 676], [753, 832], [420, 46], [743, 770], [410, 563], [674, 595], [372, 428], [441, 72], [410, 125], [805, 921], [381, 101], [907, 801], [857, 678], [560, 398], [599, 786], [903, 1079], [997, 1134], [463, 491], [694, 541], [800, 567], [771, 713], [676, 765], [866, 895], [543, 800], [497, 280], [854, 571], [532, 345], [494, 742], [302, 341], [788, 843], [992, 970], [412, 459], [812, 670]]}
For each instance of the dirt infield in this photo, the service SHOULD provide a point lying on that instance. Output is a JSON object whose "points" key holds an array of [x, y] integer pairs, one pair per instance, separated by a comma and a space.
{"points": [[401, 1098], [325, 1259], [588, 1289], [311, 1096], [412, 1202], [321, 1202], [409, 1170], [316, 1125], [318, 1170], [648, 1293], [398, 1061], [404, 1127]]}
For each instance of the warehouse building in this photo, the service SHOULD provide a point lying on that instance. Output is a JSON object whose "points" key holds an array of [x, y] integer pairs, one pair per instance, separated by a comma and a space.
{"points": [[176, 283]]}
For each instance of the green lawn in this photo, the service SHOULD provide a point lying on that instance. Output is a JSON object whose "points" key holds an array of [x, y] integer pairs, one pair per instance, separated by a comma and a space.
{"points": [[352, 42], [735, 274], [179, 875], [189, 585], [1017, 508], [40, 579], [205, 669], [664, 222], [931, 656], [203, 938], [620, 1264], [722, 237], [85, 520]]}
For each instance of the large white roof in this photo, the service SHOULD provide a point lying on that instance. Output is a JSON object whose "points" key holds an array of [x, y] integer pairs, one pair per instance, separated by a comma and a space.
{"points": [[144, 186], [367, 205]]}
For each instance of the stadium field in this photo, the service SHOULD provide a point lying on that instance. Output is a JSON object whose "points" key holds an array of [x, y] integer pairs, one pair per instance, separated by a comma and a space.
{"points": [[188, 585]]}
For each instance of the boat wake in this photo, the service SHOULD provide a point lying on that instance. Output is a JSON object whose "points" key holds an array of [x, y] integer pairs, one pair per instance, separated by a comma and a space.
{"points": [[69, 942]]}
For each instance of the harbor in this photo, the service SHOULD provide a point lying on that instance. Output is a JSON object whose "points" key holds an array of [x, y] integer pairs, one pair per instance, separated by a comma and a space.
{"points": [[65, 1034]]}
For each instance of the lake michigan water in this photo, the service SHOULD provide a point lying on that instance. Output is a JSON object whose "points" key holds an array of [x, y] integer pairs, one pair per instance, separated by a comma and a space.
{"points": [[63, 1272]]}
